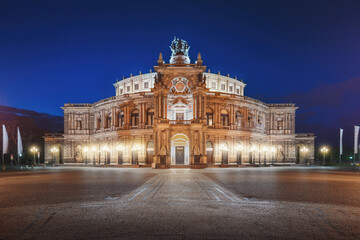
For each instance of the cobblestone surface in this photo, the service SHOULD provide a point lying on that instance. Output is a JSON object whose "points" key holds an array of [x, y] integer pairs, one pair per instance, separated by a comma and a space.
{"points": [[94, 203]]}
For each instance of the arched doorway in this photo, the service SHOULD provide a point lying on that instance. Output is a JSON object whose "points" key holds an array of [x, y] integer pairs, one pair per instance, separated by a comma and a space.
{"points": [[135, 148], [224, 153], [209, 152], [180, 149], [120, 153], [239, 149], [150, 152]]}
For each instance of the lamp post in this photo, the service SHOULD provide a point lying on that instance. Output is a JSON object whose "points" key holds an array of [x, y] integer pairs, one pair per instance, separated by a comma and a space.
{"points": [[304, 150], [86, 152], [106, 150], [253, 151], [240, 148], [34, 150], [93, 149], [54, 151], [272, 150], [222, 148], [324, 150], [136, 147], [265, 150]]}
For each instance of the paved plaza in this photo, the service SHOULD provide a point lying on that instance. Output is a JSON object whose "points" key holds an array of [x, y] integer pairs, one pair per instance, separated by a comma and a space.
{"points": [[213, 203]]}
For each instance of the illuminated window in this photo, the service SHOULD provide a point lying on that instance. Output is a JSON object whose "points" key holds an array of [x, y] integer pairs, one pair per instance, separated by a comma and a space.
{"points": [[224, 118], [120, 122], [209, 116], [150, 117], [135, 117]]}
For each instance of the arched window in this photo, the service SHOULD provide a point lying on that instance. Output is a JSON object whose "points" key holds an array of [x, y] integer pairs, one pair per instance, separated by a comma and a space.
{"points": [[209, 116], [238, 118], [150, 117], [224, 118], [135, 117], [259, 119], [79, 124], [108, 121], [120, 119], [280, 124], [250, 119], [98, 123]]}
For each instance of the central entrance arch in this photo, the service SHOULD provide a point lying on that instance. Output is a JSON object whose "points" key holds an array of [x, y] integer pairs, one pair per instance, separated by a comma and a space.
{"points": [[180, 149]]}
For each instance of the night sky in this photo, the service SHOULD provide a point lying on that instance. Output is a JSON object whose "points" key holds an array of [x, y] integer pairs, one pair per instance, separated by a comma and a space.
{"points": [[306, 52]]}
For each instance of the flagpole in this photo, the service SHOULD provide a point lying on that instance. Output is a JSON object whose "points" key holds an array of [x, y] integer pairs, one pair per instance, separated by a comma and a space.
{"points": [[2, 163]]}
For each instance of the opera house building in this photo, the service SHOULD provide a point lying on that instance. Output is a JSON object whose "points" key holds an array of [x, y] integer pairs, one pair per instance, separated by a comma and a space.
{"points": [[179, 114]]}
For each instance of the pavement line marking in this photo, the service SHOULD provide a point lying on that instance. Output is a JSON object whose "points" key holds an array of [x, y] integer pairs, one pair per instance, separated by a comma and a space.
{"points": [[148, 194], [220, 189], [207, 193], [225, 194], [141, 188], [137, 194], [162, 182]]}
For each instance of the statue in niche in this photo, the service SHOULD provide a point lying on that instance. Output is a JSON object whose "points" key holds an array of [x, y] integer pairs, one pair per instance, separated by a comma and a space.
{"points": [[163, 150], [78, 153], [196, 150]]}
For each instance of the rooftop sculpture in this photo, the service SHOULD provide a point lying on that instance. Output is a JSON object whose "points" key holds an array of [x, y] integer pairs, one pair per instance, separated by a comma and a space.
{"points": [[179, 47]]}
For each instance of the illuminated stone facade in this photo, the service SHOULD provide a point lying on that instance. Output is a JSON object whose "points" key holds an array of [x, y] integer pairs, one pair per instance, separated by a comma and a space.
{"points": [[180, 115]]}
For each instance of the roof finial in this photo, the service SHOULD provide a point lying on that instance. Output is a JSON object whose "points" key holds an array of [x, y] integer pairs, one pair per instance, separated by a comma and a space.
{"points": [[160, 61], [199, 61]]}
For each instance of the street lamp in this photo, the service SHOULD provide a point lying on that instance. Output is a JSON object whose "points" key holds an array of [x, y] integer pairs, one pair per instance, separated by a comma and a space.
{"points": [[106, 150], [324, 150], [304, 150], [223, 147], [93, 149], [272, 150], [54, 151], [86, 151], [136, 147], [34, 150], [239, 148], [265, 149], [253, 149]]}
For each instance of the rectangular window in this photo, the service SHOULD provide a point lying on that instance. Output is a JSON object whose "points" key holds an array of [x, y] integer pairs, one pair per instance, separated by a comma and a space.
{"points": [[136, 87], [223, 87], [128, 89], [238, 91], [213, 85], [230, 89], [146, 85], [121, 91]]}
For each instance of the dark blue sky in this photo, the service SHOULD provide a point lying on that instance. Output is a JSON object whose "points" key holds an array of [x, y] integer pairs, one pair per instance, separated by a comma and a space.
{"points": [[307, 52]]}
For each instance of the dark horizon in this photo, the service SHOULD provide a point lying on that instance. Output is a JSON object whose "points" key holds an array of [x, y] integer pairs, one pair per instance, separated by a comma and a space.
{"points": [[305, 52]]}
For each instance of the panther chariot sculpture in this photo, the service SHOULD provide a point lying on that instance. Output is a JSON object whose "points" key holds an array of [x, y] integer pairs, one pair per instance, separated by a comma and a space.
{"points": [[180, 52]]}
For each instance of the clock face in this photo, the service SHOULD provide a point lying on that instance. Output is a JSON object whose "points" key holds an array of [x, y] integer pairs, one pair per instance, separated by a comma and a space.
{"points": [[180, 85]]}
